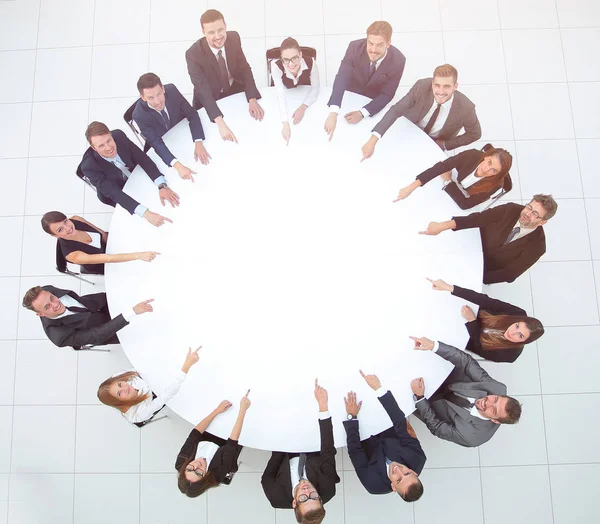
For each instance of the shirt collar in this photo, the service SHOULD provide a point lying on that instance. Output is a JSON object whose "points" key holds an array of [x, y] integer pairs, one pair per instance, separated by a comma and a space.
{"points": [[378, 63], [216, 51]]}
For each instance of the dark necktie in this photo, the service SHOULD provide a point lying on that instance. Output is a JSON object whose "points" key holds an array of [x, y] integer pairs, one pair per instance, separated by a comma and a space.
{"points": [[512, 235], [76, 309], [301, 464], [432, 120], [223, 72], [165, 117], [372, 69], [461, 402]]}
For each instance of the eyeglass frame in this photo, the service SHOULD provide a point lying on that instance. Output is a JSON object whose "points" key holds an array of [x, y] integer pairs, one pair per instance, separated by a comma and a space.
{"points": [[288, 61], [195, 470], [534, 212], [308, 497]]}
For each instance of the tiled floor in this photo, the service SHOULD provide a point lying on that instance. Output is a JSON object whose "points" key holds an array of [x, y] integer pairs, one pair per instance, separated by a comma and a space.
{"points": [[532, 69]]}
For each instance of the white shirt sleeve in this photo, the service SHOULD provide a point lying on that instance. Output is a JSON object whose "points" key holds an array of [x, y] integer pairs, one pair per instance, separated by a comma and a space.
{"points": [[334, 109], [436, 346], [324, 415], [381, 391], [276, 75], [313, 93]]}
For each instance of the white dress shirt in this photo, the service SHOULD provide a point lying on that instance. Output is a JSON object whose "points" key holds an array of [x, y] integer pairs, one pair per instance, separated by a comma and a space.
{"points": [[206, 450], [281, 90], [441, 118], [522, 231], [216, 52], [96, 239]]}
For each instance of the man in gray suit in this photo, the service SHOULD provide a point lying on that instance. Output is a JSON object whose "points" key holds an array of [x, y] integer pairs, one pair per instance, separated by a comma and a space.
{"points": [[469, 406], [435, 105]]}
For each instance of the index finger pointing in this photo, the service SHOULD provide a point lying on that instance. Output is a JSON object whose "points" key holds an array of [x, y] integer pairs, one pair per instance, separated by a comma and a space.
{"points": [[247, 393], [362, 374]]}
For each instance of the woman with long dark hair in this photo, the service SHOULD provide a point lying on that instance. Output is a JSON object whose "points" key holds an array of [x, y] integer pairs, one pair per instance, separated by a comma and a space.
{"points": [[500, 330], [479, 174], [205, 460]]}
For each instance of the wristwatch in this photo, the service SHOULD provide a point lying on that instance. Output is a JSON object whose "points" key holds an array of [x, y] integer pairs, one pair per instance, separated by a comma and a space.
{"points": [[162, 186], [350, 416], [417, 397]]}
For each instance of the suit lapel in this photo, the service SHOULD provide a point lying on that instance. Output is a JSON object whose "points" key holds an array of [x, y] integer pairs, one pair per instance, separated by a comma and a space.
{"points": [[210, 56]]}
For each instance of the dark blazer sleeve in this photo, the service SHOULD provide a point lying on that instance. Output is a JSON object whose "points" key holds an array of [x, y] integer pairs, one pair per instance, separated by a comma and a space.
{"points": [[493, 305], [389, 87], [472, 131], [343, 76], [61, 336], [269, 483], [188, 450], [243, 69], [441, 167], [358, 457], [193, 57], [225, 460], [327, 457], [478, 219], [467, 202], [397, 416], [398, 109], [188, 112], [137, 155]]}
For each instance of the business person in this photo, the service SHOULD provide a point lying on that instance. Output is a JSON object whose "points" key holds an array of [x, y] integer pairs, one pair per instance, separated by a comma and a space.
{"points": [[478, 176], [305, 481], [371, 67], [500, 330], [512, 236], [218, 68], [469, 406], [83, 243], [133, 397], [391, 460], [158, 110], [71, 320], [290, 70], [435, 105], [108, 163], [205, 460]]}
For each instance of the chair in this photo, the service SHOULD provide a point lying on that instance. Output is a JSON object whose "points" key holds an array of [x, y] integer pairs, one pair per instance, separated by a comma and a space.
{"points": [[150, 420], [101, 197], [274, 54], [128, 117], [61, 267]]}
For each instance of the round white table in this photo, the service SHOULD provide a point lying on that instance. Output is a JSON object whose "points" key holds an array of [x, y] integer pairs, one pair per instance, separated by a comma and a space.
{"points": [[289, 263]]}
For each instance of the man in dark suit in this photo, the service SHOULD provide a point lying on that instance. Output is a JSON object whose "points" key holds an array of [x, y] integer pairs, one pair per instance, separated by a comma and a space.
{"points": [[71, 320], [435, 105], [512, 236], [371, 67], [391, 460], [109, 161], [304, 481], [158, 110], [469, 406], [218, 68]]}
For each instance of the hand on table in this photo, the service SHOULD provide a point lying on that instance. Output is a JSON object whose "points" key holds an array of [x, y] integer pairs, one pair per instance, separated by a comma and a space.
{"points": [[184, 172], [155, 219], [405, 192], [168, 195], [286, 133], [226, 133], [422, 343], [143, 307], [418, 387], [440, 285], [369, 148], [321, 396], [255, 110], [352, 408], [467, 313], [298, 115], [330, 124], [353, 117], [372, 380], [147, 256], [201, 154], [223, 406], [191, 358]]}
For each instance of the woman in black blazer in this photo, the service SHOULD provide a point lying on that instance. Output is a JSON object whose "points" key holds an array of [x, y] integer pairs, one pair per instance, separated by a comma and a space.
{"points": [[83, 243], [205, 460], [479, 175], [500, 330]]}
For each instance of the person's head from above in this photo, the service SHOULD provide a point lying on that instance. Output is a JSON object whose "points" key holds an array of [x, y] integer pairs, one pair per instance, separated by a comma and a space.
{"points": [[194, 478], [117, 392], [517, 330], [541, 209], [214, 28], [58, 225], [405, 482], [44, 303], [379, 38], [152, 91], [495, 162], [291, 56], [308, 506], [500, 409], [444, 83], [101, 140]]}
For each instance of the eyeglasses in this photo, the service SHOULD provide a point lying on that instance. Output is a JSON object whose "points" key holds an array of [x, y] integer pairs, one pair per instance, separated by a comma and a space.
{"points": [[196, 471], [293, 60], [533, 212], [313, 495]]}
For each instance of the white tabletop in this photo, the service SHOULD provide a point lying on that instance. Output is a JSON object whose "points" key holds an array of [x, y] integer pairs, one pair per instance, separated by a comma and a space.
{"points": [[290, 263]]}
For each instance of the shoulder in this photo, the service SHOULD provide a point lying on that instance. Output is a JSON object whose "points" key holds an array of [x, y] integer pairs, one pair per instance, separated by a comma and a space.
{"points": [[139, 109], [119, 135], [196, 49], [395, 54], [423, 84], [233, 37], [463, 101], [171, 89], [357, 45]]}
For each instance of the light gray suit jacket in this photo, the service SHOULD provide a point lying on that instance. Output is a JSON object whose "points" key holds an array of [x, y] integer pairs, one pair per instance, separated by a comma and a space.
{"points": [[418, 101], [450, 422]]}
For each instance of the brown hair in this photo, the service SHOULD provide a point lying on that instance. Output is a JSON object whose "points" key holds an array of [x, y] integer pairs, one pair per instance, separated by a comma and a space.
{"points": [[502, 323], [212, 15], [289, 43], [380, 28], [106, 398], [513, 411], [548, 203], [96, 129], [314, 516], [148, 81], [491, 183], [30, 296], [52, 217], [445, 70], [413, 492], [194, 489]]}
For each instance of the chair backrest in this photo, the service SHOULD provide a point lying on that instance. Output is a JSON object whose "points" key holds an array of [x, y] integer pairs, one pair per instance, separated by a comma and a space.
{"points": [[273, 54], [85, 179], [151, 419], [61, 261], [128, 117]]}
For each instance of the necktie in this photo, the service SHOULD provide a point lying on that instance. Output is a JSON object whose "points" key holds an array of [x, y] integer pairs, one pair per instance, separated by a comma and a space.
{"points": [[76, 309], [223, 72], [432, 120], [461, 402], [301, 464], [165, 117], [124, 171], [372, 69], [512, 235]]}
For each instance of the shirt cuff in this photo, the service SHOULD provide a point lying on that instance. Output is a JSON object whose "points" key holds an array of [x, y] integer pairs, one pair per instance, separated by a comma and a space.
{"points": [[128, 315], [160, 180], [436, 346], [423, 398], [334, 109], [381, 391], [173, 162], [197, 140], [324, 415], [375, 133], [140, 210], [365, 113]]}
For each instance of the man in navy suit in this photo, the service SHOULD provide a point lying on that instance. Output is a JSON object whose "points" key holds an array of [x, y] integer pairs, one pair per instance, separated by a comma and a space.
{"points": [[158, 110], [391, 460], [218, 68], [109, 161], [371, 67]]}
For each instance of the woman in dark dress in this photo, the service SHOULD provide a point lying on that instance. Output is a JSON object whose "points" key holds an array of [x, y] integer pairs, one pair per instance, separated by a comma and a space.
{"points": [[500, 330], [81, 242]]}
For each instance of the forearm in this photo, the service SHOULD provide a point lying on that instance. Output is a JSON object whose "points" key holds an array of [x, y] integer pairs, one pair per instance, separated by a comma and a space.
{"points": [[84, 258], [207, 421], [237, 427]]}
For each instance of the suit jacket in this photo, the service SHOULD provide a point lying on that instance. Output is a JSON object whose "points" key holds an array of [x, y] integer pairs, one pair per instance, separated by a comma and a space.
{"points": [[495, 307], [368, 457], [320, 471], [204, 72], [152, 124], [504, 263], [93, 327], [450, 422], [353, 75], [108, 179], [465, 163]]}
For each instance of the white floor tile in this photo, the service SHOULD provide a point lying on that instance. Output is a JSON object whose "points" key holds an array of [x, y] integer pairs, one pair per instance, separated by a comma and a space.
{"points": [[336, 46], [41, 498], [592, 208], [255, 460], [492, 104], [91, 202], [468, 50], [580, 46], [116, 69], [13, 174], [255, 51], [161, 501], [161, 441], [11, 234], [94, 367], [578, 13], [567, 233], [14, 138], [106, 442], [6, 424], [566, 301], [8, 350], [515, 14], [167, 60], [587, 125], [66, 23], [21, 65], [43, 439], [117, 22], [521, 377], [531, 118], [587, 150], [527, 488], [247, 18], [571, 429], [173, 20], [407, 16], [575, 505], [469, 14], [423, 52], [111, 111], [39, 250], [521, 443], [9, 307], [52, 369], [307, 20], [62, 74], [517, 292], [4, 481], [19, 24], [67, 120], [121, 490], [445, 488], [349, 16]]}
